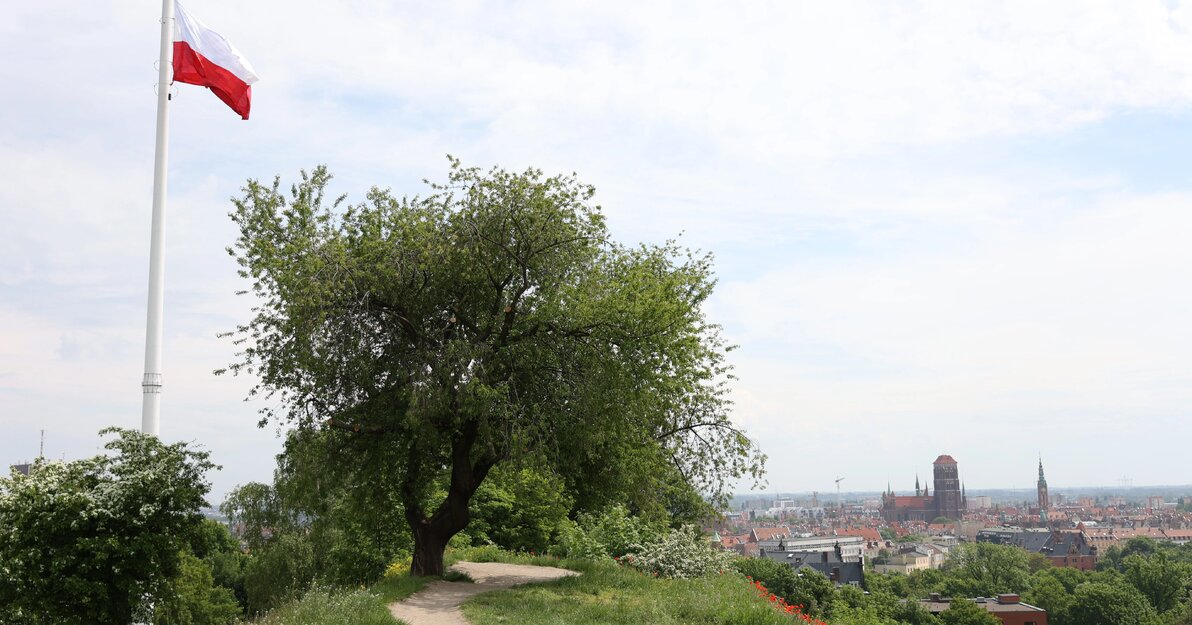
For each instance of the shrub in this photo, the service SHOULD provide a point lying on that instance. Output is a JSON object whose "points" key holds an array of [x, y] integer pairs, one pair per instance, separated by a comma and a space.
{"points": [[194, 599], [681, 553], [612, 533], [282, 571], [575, 542]]}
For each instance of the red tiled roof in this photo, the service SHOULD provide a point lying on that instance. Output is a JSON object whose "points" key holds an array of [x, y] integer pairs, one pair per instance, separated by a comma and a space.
{"points": [[868, 533], [770, 533], [945, 459]]}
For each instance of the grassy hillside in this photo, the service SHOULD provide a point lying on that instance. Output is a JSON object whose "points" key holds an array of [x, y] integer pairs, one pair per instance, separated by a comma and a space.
{"points": [[607, 593]]}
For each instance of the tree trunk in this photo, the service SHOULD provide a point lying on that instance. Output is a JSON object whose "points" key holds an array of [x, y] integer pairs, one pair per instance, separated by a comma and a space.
{"points": [[428, 551], [451, 517]]}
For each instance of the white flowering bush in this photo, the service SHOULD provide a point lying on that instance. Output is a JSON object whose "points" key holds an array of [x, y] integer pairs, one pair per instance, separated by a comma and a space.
{"points": [[681, 553]]}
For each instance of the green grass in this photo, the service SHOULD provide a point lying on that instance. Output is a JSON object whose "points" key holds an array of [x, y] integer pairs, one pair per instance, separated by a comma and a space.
{"points": [[398, 587], [607, 593], [496, 554], [458, 576], [340, 606], [323, 606]]}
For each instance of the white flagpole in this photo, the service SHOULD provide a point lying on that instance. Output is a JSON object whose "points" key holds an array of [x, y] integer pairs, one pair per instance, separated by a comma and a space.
{"points": [[151, 383]]}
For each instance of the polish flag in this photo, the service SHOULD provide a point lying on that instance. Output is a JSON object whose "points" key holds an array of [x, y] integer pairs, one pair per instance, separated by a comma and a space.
{"points": [[203, 57]]}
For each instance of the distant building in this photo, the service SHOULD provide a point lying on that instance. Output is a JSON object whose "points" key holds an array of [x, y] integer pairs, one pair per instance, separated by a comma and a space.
{"points": [[948, 501], [979, 502], [830, 564], [851, 548], [912, 558], [1066, 548], [23, 468], [1009, 609], [762, 534]]}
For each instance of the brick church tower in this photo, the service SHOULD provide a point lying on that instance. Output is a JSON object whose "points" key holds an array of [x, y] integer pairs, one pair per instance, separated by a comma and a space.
{"points": [[947, 488]]}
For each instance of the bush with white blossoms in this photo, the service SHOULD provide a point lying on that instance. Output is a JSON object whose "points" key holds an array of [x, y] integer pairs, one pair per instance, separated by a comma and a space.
{"points": [[681, 553]]}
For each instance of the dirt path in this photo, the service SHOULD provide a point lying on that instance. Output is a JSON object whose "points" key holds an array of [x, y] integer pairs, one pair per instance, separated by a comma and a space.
{"points": [[438, 603]]}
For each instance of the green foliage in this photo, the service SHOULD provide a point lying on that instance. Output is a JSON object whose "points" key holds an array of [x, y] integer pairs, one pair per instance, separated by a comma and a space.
{"points": [[258, 513], [985, 569], [1037, 562], [896, 584], [281, 572], [613, 532], [1104, 603], [495, 320], [195, 599], [227, 571], [812, 591], [1047, 592], [851, 605], [211, 538], [1163, 582], [576, 542], [846, 614], [965, 612], [88, 541], [907, 612], [520, 509]]}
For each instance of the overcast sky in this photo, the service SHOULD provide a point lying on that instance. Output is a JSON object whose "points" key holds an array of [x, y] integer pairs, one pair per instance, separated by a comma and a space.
{"points": [[938, 228]]}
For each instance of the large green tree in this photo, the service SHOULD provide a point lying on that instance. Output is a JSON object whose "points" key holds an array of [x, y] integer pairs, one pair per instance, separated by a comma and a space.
{"points": [[91, 541], [985, 569], [494, 318], [1113, 602]]}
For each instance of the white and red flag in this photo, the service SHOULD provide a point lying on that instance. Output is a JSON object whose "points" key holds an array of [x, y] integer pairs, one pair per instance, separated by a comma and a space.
{"points": [[204, 57]]}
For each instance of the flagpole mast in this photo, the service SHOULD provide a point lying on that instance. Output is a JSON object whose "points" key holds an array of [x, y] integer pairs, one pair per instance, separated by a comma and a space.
{"points": [[151, 383]]}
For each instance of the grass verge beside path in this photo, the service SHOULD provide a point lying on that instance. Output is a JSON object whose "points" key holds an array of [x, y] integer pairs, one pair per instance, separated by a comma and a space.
{"points": [[608, 593], [340, 606], [370, 606]]}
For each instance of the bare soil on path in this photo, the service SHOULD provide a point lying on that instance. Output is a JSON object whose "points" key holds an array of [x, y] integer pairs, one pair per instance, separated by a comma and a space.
{"points": [[438, 603]]}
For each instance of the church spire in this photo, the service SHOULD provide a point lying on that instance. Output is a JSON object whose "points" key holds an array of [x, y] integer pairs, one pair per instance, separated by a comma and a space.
{"points": [[918, 490], [1044, 500]]}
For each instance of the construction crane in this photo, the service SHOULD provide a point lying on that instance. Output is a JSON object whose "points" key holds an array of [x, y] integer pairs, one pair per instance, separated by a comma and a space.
{"points": [[839, 502]]}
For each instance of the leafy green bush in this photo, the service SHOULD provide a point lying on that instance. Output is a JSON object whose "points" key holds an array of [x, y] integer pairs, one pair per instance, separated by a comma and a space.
{"points": [[576, 542], [611, 533], [812, 591], [519, 509], [282, 571], [195, 599]]}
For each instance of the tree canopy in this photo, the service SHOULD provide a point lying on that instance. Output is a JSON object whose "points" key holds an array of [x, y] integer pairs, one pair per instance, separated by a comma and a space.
{"points": [[428, 339]]}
